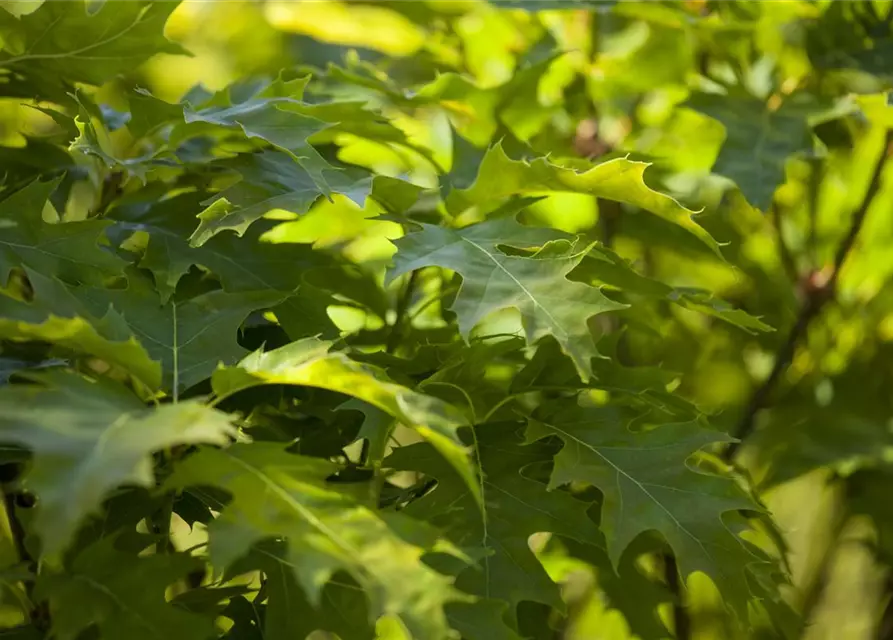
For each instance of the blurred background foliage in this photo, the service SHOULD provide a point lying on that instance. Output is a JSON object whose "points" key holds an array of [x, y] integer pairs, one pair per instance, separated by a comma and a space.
{"points": [[769, 116]]}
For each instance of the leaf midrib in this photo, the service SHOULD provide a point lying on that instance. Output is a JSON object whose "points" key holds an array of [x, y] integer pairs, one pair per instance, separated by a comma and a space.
{"points": [[305, 513], [640, 485], [76, 54], [527, 292]]}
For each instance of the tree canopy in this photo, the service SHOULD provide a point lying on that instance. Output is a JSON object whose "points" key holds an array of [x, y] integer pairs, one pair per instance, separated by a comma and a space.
{"points": [[446, 319]]}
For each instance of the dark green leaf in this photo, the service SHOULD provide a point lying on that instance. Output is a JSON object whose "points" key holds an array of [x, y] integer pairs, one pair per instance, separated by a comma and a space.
{"points": [[121, 594], [536, 286], [647, 485]]}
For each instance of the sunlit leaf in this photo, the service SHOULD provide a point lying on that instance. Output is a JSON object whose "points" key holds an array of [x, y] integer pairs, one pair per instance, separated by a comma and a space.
{"points": [[619, 179], [277, 494], [308, 363]]}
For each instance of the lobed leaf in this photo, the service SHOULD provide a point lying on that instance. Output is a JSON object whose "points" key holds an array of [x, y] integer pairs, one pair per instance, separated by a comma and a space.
{"points": [[536, 286], [89, 438], [308, 363], [648, 485], [278, 494], [619, 179], [121, 595]]}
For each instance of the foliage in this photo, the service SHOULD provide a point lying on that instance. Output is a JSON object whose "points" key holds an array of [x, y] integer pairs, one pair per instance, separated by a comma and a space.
{"points": [[440, 319]]}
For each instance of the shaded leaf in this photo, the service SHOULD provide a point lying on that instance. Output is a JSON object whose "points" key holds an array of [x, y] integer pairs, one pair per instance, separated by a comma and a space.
{"points": [[57, 316], [516, 506], [89, 438], [66, 41], [604, 266], [123, 595], [287, 613], [189, 337], [852, 36], [758, 141], [272, 180], [69, 250], [648, 485]]}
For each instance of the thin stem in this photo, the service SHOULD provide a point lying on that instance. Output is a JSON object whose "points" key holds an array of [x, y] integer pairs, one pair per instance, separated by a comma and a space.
{"points": [[376, 485], [402, 306], [499, 405], [681, 619], [162, 525], [462, 391], [810, 309]]}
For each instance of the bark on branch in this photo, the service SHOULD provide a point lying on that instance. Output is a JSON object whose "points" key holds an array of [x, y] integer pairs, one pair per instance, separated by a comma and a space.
{"points": [[818, 295]]}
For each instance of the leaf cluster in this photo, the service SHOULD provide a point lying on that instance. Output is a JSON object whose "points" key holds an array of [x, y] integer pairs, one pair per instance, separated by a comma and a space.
{"points": [[321, 350]]}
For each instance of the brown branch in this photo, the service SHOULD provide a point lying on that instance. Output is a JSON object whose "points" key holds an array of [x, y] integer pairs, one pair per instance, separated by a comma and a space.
{"points": [[818, 294]]}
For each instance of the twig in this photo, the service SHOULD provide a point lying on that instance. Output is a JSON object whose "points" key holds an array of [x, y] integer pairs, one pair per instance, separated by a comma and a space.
{"points": [[161, 524], [818, 296], [402, 306]]}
